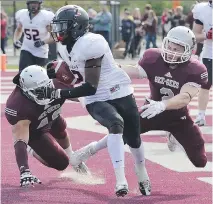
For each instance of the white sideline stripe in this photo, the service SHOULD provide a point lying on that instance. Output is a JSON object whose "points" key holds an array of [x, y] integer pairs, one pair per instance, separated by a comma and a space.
{"points": [[208, 180]]}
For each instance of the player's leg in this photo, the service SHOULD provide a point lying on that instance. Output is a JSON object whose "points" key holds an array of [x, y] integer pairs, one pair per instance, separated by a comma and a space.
{"points": [[59, 132], [48, 149], [25, 60], [203, 96], [128, 109], [190, 137], [40, 61], [108, 116]]}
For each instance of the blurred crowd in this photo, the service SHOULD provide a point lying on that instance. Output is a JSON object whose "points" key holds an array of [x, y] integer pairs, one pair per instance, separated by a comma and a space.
{"points": [[137, 28]]}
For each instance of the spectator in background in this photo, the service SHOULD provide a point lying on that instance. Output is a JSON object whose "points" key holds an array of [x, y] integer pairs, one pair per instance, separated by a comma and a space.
{"points": [[163, 21], [168, 22], [150, 26], [127, 30], [189, 18], [3, 30], [138, 29], [92, 14], [102, 23], [148, 7], [179, 18]]}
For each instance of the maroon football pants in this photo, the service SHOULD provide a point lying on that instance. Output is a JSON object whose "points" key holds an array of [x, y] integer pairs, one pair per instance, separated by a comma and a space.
{"points": [[47, 147], [185, 132]]}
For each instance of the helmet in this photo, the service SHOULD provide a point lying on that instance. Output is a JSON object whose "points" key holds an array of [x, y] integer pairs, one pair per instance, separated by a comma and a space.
{"points": [[32, 78], [70, 23], [33, 9], [181, 37]]}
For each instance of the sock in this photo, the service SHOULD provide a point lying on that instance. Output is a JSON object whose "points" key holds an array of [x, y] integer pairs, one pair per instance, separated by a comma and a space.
{"points": [[115, 147], [69, 151], [138, 155], [202, 113], [101, 144]]}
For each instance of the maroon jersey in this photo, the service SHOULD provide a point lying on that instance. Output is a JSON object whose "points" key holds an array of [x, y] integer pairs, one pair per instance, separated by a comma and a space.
{"points": [[19, 107], [166, 82]]}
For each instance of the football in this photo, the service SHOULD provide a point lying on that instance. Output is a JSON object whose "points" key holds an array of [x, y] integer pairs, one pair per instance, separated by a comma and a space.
{"points": [[63, 73]]}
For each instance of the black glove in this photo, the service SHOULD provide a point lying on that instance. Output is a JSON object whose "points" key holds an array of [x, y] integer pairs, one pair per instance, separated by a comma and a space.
{"points": [[39, 43], [28, 179], [17, 44], [50, 70], [47, 92]]}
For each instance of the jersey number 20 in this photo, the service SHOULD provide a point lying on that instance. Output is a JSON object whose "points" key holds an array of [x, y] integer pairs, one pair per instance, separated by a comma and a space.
{"points": [[32, 34]]}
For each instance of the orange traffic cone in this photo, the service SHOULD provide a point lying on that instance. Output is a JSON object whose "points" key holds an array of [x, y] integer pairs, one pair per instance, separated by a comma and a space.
{"points": [[3, 62]]}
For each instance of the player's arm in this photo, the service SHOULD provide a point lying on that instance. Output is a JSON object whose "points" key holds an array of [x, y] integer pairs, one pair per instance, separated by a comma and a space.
{"points": [[17, 36], [92, 75], [187, 92], [50, 39], [198, 31], [134, 71]]}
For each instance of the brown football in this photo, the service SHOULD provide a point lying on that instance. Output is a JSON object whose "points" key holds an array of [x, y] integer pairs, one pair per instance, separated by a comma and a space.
{"points": [[63, 73]]}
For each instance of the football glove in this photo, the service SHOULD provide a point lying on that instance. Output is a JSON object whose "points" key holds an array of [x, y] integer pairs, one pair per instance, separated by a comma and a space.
{"points": [[50, 70], [48, 92], [17, 44], [152, 109], [28, 179], [39, 43]]}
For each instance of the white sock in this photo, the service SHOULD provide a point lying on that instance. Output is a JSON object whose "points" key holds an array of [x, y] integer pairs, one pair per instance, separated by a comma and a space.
{"points": [[202, 113], [69, 151], [138, 155], [101, 144], [115, 147]]}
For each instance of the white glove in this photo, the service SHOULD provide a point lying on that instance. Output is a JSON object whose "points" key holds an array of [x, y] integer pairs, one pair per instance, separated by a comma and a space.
{"points": [[152, 109]]}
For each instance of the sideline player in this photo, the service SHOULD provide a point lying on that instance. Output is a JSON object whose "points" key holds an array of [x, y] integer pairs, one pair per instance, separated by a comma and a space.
{"points": [[174, 79], [34, 22], [38, 125], [107, 90], [202, 28]]}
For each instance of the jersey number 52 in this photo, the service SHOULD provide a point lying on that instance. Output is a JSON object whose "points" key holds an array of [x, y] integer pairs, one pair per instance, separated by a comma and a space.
{"points": [[32, 34]]}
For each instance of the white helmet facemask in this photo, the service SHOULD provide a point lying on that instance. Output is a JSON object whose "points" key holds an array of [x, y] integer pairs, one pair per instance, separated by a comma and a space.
{"points": [[178, 57], [181, 36], [33, 78]]}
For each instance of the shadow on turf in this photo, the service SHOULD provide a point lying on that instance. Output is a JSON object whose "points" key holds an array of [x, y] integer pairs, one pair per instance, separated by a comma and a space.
{"points": [[12, 194]]}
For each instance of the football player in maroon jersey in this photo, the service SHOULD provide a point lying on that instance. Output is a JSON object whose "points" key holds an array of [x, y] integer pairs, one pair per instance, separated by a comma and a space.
{"points": [[37, 125], [174, 79]]}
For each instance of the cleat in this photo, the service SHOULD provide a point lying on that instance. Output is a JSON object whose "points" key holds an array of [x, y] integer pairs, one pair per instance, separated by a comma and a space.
{"points": [[200, 121], [145, 187], [172, 143], [82, 154], [121, 190], [81, 168]]}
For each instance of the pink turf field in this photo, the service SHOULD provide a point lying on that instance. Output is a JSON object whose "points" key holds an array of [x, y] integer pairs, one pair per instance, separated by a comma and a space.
{"points": [[174, 179]]}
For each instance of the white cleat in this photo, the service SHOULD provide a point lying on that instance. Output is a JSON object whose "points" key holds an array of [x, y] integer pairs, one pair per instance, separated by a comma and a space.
{"points": [[81, 168], [172, 143], [82, 154], [121, 190], [145, 187], [200, 121], [143, 180]]}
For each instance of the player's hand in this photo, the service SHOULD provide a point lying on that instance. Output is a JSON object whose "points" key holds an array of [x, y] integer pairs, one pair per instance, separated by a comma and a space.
{"points": [[48, 92], [27, 179], [39, 43], [152, 109], [209, 34], [50, 70], [17, 44]]}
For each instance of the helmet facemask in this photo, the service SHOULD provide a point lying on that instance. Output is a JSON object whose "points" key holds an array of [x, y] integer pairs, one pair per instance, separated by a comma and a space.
{"points": [[64, 31], [171, 56], [34, 6], [31, 93]]}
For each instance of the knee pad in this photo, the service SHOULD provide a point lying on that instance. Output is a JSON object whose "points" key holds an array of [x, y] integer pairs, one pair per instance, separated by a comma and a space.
{"points": [[116, 126]]}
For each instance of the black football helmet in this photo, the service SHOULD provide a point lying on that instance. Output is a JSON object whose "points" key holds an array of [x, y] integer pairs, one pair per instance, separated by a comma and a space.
{"points": [[34, 8], [70, 23]]}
